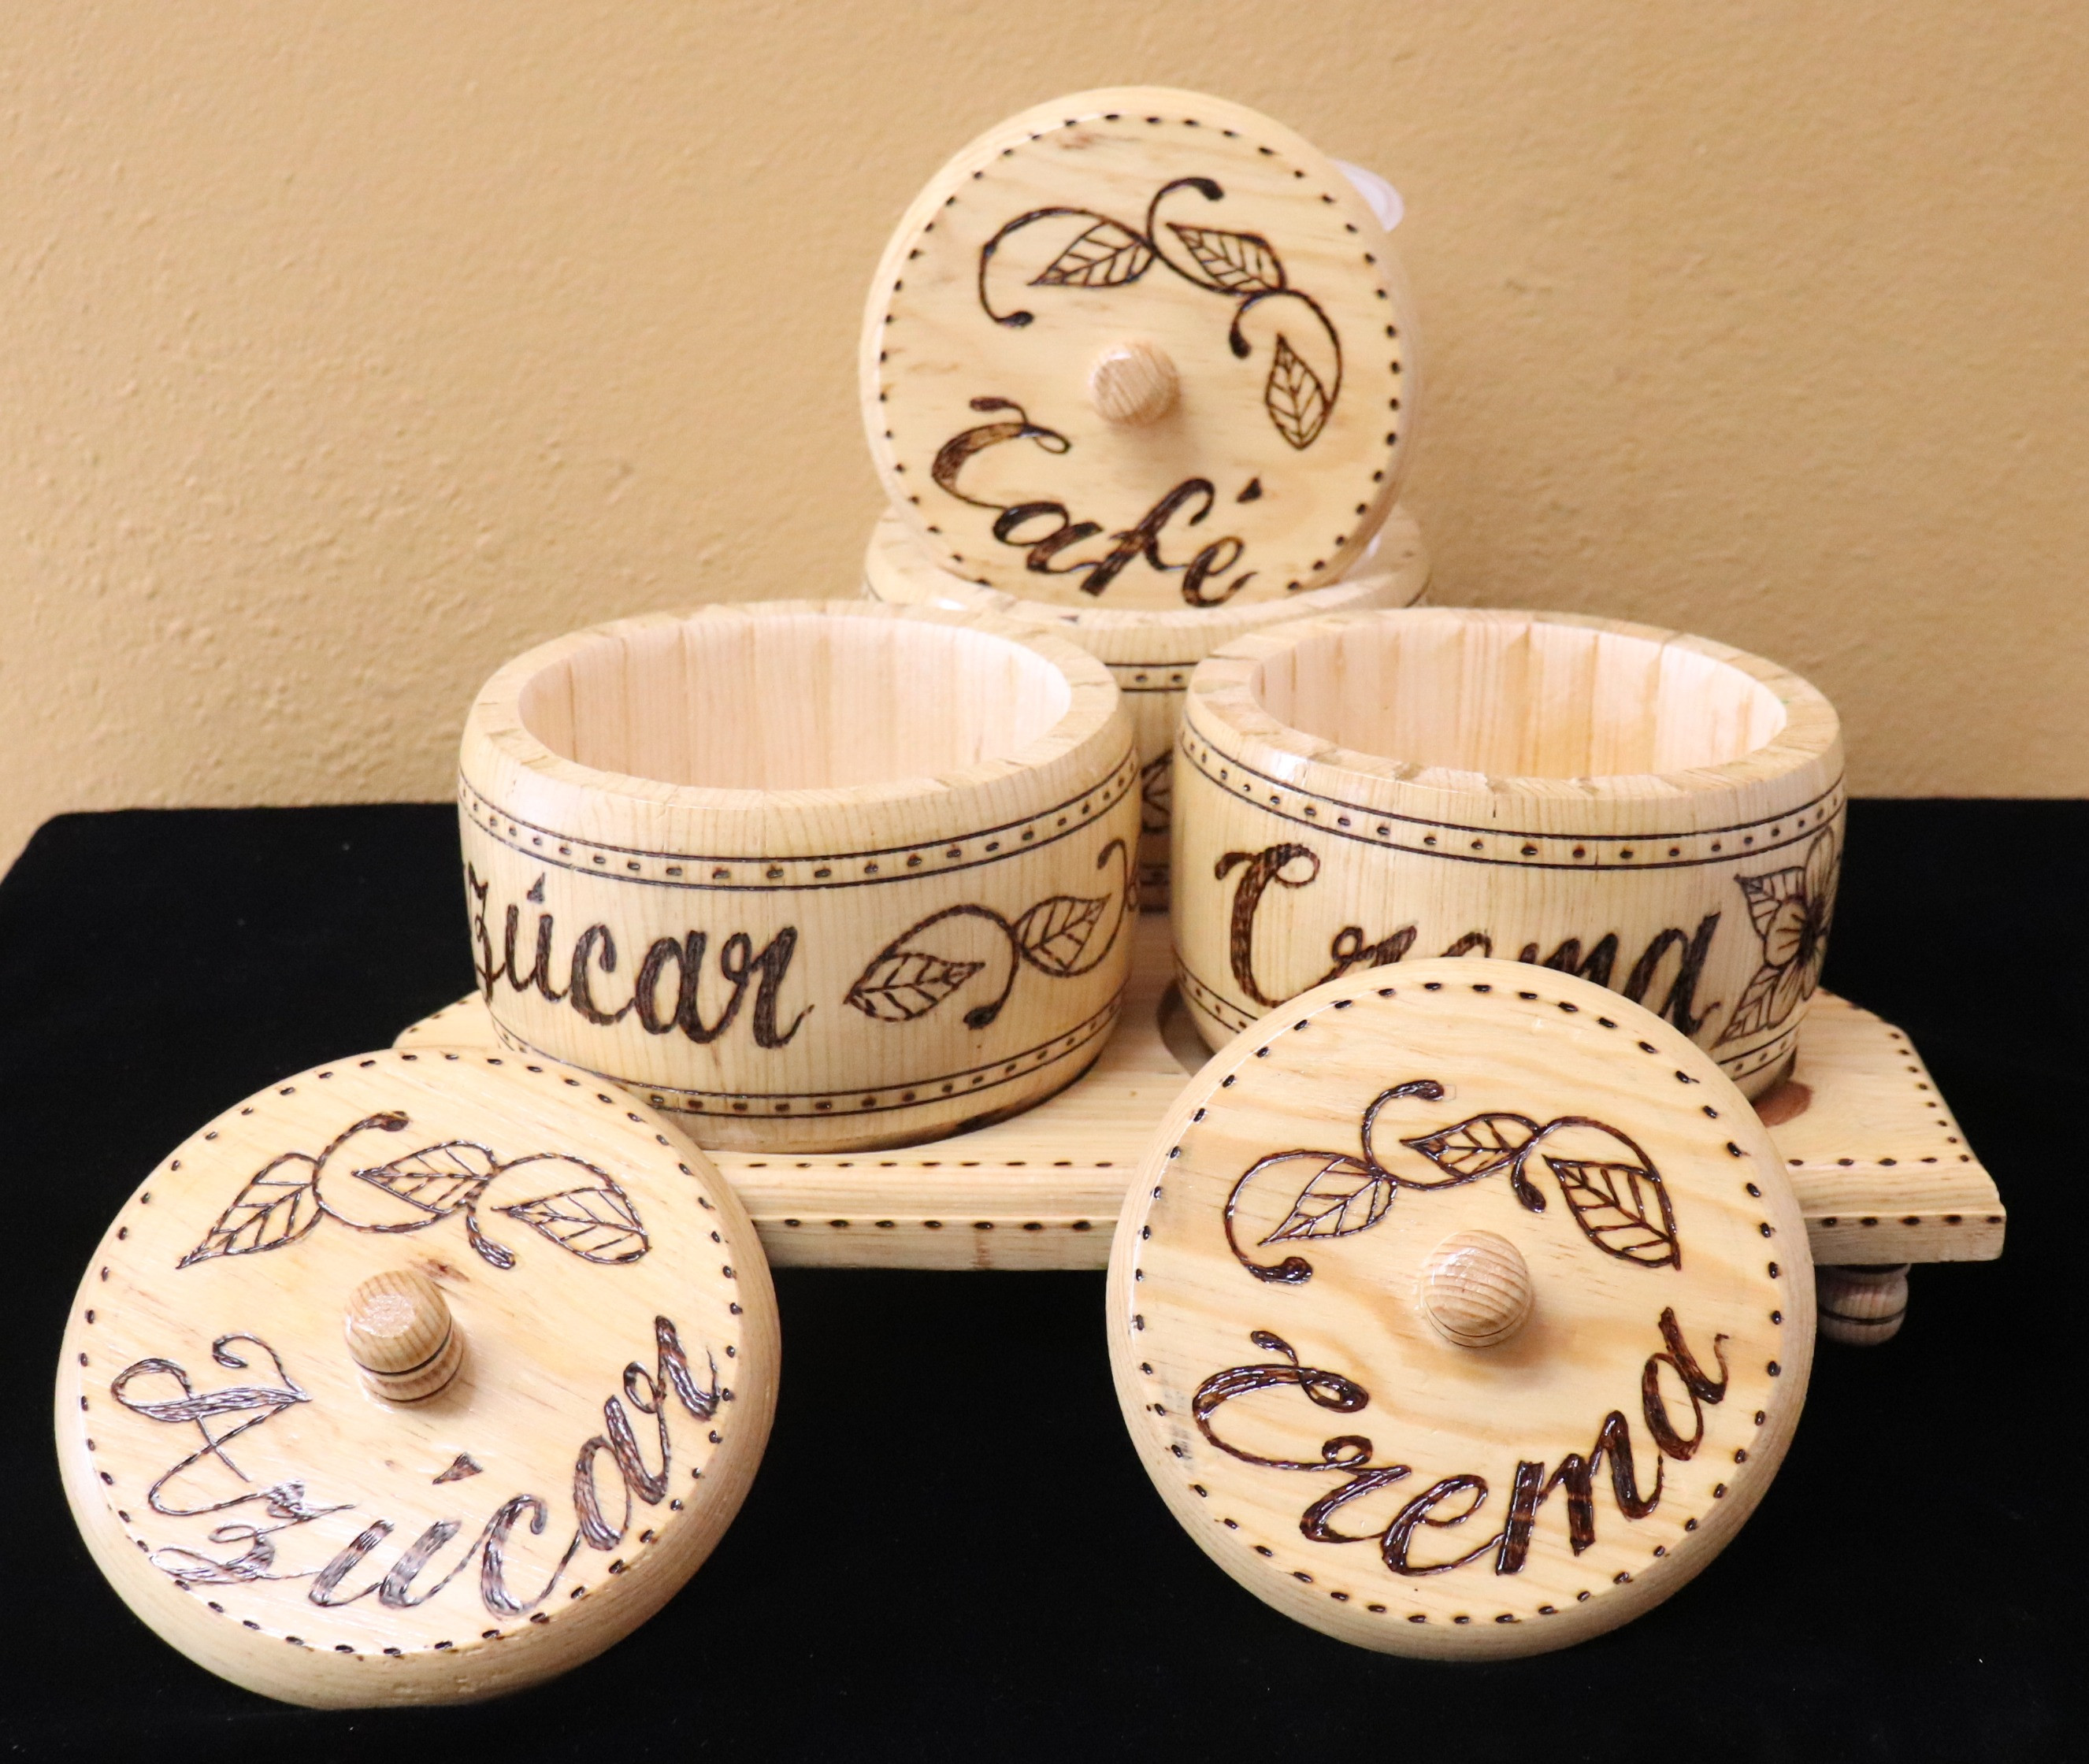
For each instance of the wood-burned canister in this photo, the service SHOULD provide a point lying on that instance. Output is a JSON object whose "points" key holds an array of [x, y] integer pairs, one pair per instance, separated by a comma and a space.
{"points": [[1659, 813], [819, 875], [1152, 651]]}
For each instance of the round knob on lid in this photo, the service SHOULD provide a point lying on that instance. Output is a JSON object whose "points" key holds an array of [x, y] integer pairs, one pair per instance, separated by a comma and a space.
{"points": [[1475, 1289], [1133, 384], [401, 1333]]}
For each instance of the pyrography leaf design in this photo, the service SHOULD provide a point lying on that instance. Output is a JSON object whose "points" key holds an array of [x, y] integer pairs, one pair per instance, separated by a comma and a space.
{"points": [[1107, 255], [595, 1224], [1296, 399], [1474, 1148], [1766, 894], [1623, 1207], [276, 1206], [1157, 793], [899, 988], [1054, 934], [1240, 263], [437, 1179], [1758, 1006], [1343, 1197], [1791, 910]]}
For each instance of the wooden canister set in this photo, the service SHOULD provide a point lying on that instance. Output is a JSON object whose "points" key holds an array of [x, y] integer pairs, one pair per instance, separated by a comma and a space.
{"points": [[1496, 921]]}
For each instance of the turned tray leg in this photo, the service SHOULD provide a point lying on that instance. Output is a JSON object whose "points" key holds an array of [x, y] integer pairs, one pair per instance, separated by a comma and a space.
{"points": [[1861, 1307]]}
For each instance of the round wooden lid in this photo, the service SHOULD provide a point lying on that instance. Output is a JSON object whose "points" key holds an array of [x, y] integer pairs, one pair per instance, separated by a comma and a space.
{"points": [[1462, 1309], [418, 1377], [1139, 347]]}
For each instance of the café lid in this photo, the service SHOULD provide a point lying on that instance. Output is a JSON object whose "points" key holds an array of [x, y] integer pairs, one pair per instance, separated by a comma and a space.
{"points": [[1139, 347], [1462, 1309], [418, 1377]]}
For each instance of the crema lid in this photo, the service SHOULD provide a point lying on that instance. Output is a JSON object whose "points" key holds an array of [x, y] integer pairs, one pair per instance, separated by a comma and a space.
{"points": [[419, 1377], [1139, 347], [1462, 1309]]}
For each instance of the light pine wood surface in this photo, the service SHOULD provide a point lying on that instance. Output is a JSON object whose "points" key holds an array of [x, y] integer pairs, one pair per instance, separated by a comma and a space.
{"points": [[826, 874], [1882, 1171], [1139, 347], [256, 1502], [1151, 653], [1380, 1458], [1657, 812]]}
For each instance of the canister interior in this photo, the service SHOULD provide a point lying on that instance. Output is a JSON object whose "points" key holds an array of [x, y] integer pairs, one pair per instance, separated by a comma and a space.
{"points": [[793, 702], [1512, 697]]}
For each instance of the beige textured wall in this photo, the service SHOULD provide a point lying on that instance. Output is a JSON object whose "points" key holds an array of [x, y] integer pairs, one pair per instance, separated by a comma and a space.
{"points": [[347, 348]]}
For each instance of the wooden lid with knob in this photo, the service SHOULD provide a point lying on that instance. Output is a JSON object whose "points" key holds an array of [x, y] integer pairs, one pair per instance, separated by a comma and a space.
{"points": [[420, 1376], [1139, 347], [1462, 1309]]}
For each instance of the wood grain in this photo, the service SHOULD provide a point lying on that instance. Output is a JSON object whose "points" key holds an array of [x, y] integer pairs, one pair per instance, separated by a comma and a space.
{"points": [[1882, 1171], [264, 1512], [1657, 812]]}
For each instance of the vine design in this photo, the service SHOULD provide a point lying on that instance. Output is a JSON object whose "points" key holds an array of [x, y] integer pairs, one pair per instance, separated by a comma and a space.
{"points": [[594, 1220], [1242, 267], [1611, 1187], [1058, 936], [1791, 910]]}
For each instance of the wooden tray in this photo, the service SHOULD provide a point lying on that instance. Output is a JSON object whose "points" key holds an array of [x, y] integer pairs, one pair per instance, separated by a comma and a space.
{"points": [[1883, 1171]]}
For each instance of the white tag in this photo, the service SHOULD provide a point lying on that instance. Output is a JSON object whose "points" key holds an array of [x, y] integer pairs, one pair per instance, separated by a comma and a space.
{"points": [[1383, 199]]}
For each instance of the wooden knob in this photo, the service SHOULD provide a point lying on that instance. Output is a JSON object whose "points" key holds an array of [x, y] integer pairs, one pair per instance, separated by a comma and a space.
{"points": [[401, 1333], [1476, 1289], [1861, 1307], [1133, 384]]}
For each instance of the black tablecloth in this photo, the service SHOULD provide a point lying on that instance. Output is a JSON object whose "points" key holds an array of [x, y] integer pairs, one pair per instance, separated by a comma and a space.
{"points": [[952, 1548]]}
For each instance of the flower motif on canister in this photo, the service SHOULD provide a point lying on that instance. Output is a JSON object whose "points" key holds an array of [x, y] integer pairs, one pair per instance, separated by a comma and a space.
{"points": [[1791, 910]]}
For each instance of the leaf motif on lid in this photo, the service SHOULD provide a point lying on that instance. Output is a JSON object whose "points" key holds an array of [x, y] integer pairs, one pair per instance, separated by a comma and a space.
{"points": [[1623, 1207], [1476, 1147], [437, 1179], [277, 1205], [1343, 1197], [596, 1224], [1294, 397], [1239, 262], [1106, 255]]}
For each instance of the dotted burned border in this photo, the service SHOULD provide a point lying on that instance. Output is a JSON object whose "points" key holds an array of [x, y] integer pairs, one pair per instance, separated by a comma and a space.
{"points": [[1135, 1324], [1457, 842], [715, 1436], [912, 1092], [755, 873], [885, 448]]}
